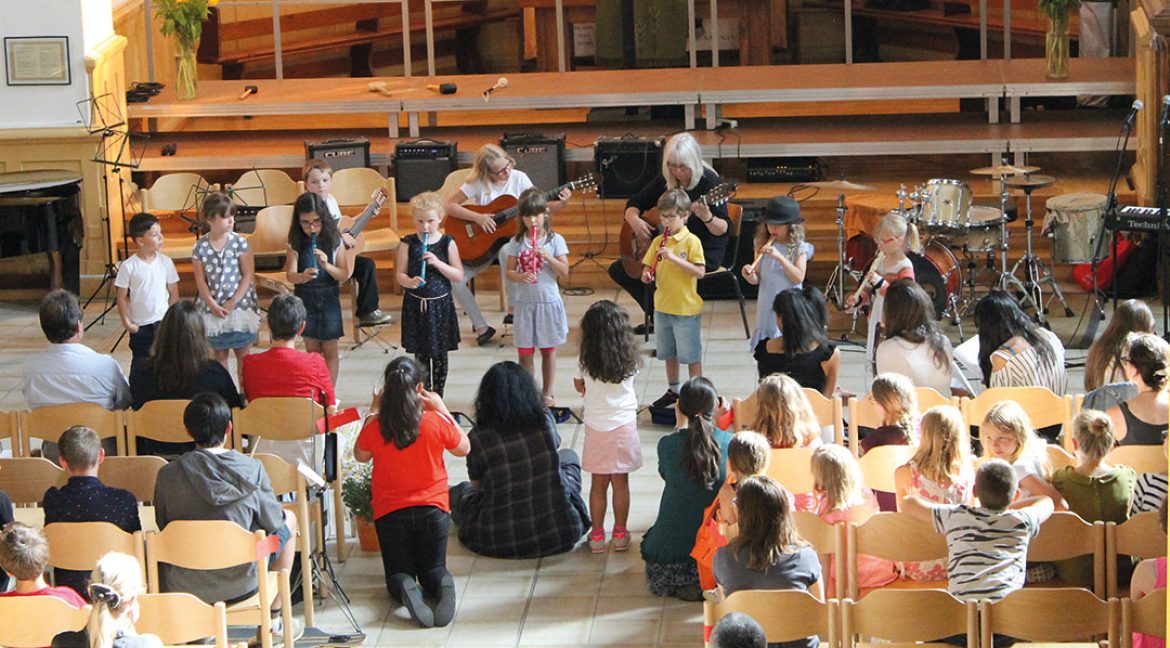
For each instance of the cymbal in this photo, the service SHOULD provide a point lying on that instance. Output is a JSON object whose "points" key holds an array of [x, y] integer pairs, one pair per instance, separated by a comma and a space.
{"points": [[1004, 169], [1030, 181], [840, 185]]}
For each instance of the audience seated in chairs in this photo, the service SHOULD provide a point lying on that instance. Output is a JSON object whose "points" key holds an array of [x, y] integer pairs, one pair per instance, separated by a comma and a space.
{"points": [[214, 483], [114, 588], [738, 630], [24, 553], [68, 371], [84, 498]]}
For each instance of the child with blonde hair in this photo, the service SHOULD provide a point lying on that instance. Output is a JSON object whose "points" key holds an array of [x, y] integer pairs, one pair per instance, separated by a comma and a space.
{"points": [[841, 497], [941, 471], [1094, 489], [1006, 433], [784, 414], [114, 588], [896, 402]]}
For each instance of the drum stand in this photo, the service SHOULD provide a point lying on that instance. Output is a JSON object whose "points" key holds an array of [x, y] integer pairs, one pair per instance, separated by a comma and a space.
{"points": [[835, 288], [1036, 272]]}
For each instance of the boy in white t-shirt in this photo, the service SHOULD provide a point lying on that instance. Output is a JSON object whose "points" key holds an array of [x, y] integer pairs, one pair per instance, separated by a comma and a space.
{"points": [[318, 177], [147, 284]]}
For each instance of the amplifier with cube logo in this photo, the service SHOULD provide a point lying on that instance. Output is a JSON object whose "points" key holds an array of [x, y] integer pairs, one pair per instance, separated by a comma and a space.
{"points": [[542, 157], [340, 154], [422, 165]]}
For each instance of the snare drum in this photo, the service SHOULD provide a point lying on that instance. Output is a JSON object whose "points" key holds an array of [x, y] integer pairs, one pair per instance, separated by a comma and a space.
{"points": [[982, 233], [945, 204], [1075, 221]]}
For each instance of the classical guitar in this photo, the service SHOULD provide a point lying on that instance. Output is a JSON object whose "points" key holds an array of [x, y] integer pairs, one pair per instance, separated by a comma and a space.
{"points": [[377, 199], [633, 250], [476, 246]]}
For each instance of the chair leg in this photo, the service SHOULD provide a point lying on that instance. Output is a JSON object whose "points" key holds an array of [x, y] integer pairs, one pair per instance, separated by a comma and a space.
{"points": [[747, 332], [339, 523]]}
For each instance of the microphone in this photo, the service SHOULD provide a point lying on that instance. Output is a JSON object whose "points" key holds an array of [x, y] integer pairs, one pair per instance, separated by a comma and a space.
{"points": [[380, 88], [313, 250], [502, 83], [1138, 104]]}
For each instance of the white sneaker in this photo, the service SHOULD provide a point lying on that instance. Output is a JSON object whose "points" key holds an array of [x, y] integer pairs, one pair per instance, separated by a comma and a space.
{"points": [[298, 630]]}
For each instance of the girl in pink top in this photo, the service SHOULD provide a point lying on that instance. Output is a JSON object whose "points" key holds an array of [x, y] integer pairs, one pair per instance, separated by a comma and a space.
{"points": [[1149, 575]]}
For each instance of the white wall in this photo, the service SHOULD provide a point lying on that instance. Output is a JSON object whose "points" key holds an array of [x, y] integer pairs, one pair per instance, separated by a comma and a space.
{"points": [[87, 23]]}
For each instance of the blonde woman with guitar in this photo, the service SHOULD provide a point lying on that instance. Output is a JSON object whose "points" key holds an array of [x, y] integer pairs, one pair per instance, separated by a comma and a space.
{"points": [[682, 168], [493, 176]]}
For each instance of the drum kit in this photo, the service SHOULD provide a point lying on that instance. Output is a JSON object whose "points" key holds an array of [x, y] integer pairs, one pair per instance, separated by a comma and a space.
{"points": [[952, 226]]}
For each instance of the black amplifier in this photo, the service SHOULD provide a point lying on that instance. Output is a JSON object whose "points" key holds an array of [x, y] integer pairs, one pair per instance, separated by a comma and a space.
{"points": [[542, 157], [422, 165], [776, 169], [340, 154], [626, 164]]}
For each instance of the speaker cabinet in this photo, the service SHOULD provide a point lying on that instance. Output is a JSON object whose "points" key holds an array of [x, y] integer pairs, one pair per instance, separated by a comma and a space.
{"points": [[626, 164], [542, 157], [340, 154], [422, 165]]}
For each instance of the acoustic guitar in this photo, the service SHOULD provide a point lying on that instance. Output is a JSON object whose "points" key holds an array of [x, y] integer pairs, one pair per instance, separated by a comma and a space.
{"points": [[477, 247], [377, 200], [633, 250]]}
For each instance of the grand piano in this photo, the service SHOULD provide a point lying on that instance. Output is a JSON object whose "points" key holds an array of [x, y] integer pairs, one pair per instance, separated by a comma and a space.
{"points": [[41, 230]]}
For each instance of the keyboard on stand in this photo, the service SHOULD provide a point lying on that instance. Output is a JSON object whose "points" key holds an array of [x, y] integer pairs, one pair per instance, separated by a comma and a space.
{"points": [[1135, 219]]}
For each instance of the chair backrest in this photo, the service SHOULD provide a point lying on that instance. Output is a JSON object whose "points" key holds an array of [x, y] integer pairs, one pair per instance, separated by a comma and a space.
{"points": [[863, 412], [26, 479], [10, 429], [41, 619], [907, 615], [179, 618], [892, 536], [354, 187], [1065, 535], [1142, 458], [1147, 616], [786, 615], [744, 410], [878, 465], [790, 467], [286, 478], [454, 181], [160, 420], [79, 545], [174, 192], [1044, 408], [48, 423], [829, 412], [1058, 457], [270, 237], [263, 187], [826, 539], [1050, 615], [1140, 536], [277, 419], [735, 221], [135, 474]]}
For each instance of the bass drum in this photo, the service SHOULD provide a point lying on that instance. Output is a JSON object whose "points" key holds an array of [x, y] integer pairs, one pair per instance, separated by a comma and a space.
{"points": [[937, 271], [860, 250]]}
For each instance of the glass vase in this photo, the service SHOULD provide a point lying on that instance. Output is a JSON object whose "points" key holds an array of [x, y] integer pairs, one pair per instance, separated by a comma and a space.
{"points": [[187, 74], [1056, 47]]}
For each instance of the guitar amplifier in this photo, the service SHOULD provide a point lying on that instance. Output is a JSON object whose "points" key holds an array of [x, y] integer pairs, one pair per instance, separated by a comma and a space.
{"points": [[542, 157], [626, 164], [340, 154], [422, 165]]}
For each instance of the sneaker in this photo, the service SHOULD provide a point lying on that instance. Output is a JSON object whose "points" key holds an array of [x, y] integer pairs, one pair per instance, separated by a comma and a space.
{"points": [[298, 630], [483, 338], [597, 543], [667, 400], [643, 329], [621, 540], [375, 318]]}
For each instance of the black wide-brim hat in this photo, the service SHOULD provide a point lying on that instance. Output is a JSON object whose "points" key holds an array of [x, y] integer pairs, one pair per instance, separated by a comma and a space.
{"points": [[782, 210]]}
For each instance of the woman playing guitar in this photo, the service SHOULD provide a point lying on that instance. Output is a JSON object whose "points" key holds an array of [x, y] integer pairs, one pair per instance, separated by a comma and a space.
{"points": [[493, 174], [682, 166]]}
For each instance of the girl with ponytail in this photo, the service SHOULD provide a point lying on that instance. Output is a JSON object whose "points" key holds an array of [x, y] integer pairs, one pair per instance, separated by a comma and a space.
{"points": [[114, 587]]}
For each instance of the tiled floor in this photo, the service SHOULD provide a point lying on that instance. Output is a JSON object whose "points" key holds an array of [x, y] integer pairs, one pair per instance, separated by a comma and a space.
{"points": [[571, 600]]}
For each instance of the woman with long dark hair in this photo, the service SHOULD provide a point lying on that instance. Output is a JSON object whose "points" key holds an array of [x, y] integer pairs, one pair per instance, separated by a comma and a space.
{"points": [[524, 497], [1013, 350], [914, 345], [803, 349], [1103, 364]]}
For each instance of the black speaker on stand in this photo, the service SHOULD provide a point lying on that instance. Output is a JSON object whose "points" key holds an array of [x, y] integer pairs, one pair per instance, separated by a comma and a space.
{"points": [[542, 157], [422, 165], [626, 164]]}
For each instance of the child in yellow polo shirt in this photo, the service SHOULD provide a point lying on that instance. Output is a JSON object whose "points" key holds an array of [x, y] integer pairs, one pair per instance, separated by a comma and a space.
{"points": [[675, 263]]}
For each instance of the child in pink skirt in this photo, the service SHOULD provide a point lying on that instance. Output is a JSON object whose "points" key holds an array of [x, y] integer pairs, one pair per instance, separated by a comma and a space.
{"points": [[606, 367]]}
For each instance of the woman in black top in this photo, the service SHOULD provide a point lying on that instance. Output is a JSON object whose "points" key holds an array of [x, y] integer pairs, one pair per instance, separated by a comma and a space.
{"points": [[803, 351]]}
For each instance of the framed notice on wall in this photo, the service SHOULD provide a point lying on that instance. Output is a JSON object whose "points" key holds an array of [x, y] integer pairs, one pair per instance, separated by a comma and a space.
{"points": [[37, 60]]}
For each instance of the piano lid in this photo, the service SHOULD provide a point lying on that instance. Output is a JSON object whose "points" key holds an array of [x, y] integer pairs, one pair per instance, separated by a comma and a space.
{"points": [[18, 181]]}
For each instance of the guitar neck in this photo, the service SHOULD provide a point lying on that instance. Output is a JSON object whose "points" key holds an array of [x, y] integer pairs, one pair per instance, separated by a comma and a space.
{"points": [[363, 219], [511, 212]]}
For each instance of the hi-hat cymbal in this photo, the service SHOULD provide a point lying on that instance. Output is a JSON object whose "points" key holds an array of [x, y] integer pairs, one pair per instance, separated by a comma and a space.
{"points": [[841, 185], [1030, 181], [1004, 169]]}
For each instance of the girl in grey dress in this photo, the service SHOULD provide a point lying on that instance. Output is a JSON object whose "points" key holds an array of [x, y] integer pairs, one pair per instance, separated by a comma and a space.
{"points": [[538, 259]]}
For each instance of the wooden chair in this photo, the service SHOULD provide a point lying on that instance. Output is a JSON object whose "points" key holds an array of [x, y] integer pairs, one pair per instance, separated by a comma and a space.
{"points": [[790, 467], [906, 618], [40, 619], [1058, 457], [894, 536], [1147, 616], [1141, 536], [264, 187], [79, 545], [735, 215], [1065, 535], [10, 429], [135, 474], [1142, 458], [862, 412], [286, 479], [452, 183], [218, 544], [182, 194], [180, 618], [827, 540], [48, 423], [160, 420], [1043, 407], [786, 615], [829, 412], [26, 479], [1051, 615], [878, 465]]}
